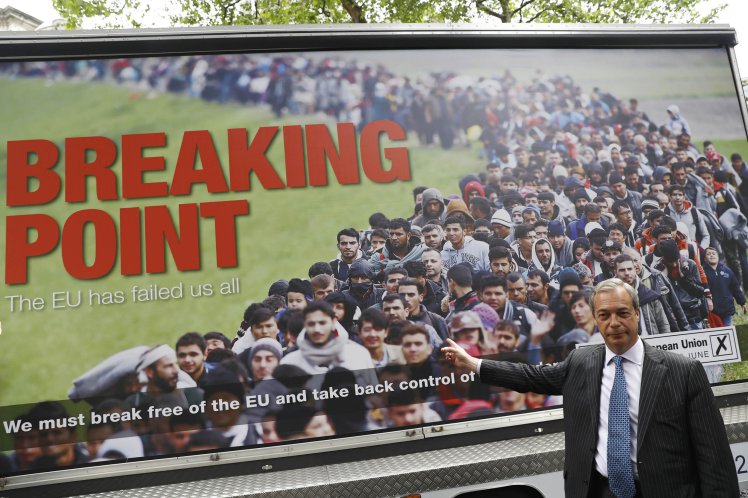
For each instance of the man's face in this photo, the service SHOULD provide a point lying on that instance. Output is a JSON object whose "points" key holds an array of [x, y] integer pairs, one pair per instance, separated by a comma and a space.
{"points": [[506, 341], [377, 243], [617, 319], [680, 175], [164, 373], [268, 328], [579, 253], [482, 230], [554, 158], [263, 364], [433, 208], [407, 415], [597, 252], [681, 156], [395, 310], [616, 236], [619, 189], [494, 175], [678, 199], [321, 293], [543, 251], [626, 272], [398, 238], [546, 207], [708, 179], [657, 189], [580, 203], [557, 241], [529, 217], [433, 262], [517, 291], [455, 234], [339, 309], [536, 290], [296, 301], [416, 348], [501, 266], [495, 297], [541, 232], [526, 242], [391, 283], [508, 185], [412, 297], [712, 257], [57, 442], [190, 358], [212, 344], [318, 327], [569, 291], [593, 217], [433, 239], [372, 338], [625, 216], [523, 157], [737, 164], [348, 247], [664, 236], [610, 255]]}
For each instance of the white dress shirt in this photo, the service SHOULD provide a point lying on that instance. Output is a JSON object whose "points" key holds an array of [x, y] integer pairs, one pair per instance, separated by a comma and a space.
{"points": [[633, 359]]}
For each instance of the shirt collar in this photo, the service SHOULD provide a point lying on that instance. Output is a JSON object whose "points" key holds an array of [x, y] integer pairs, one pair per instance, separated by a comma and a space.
{"points": [[635, 354]]}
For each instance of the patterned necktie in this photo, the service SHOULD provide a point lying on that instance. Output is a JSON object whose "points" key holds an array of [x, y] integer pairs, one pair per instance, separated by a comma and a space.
{"points": [[620, 469]]}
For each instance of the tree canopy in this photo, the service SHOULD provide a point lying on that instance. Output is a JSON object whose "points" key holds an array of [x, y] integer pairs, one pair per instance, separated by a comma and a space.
{"points": [[139, 13]]}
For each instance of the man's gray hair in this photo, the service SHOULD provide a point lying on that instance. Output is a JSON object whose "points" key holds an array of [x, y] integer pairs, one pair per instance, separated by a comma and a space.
{"points": [[610, 285]]}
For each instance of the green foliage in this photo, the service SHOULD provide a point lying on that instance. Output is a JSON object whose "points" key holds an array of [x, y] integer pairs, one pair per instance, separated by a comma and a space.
{"points": [[134, 13]]}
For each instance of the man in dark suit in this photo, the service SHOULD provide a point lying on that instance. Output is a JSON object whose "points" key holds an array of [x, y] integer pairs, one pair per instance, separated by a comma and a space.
{"points": [[672, 443]]}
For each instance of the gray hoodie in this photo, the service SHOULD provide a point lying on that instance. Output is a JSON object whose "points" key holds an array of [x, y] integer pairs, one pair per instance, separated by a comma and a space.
{"points": [[430, 194]]}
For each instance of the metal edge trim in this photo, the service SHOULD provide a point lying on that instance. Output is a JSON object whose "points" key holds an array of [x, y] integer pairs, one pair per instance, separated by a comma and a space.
{"points": [[738, 86]]}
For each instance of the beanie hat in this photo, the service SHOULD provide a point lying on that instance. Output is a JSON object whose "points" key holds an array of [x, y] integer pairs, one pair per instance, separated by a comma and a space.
{"points": [[279, 287], [488, 316], [267, 344], [573, 181], [533, 209], [614, 178], [464, 320], [359, 268], [567, 276], [582, 270], [555, 228], [650, 203], [669, 250], [581, 194], [501, 217]]}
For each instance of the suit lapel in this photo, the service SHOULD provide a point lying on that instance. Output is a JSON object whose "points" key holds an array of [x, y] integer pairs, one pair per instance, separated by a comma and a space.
{"points": [[653, 372], [594, 381]]}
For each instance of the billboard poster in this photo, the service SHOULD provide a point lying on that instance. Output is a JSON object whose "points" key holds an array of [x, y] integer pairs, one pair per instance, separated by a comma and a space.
{"points": [[206, 252]]}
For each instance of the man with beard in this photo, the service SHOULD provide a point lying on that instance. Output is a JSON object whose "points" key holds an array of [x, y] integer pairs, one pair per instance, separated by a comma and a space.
{"points": [[400, 247], [392, 277], [461, 289], [611, 250], [348, 245], [543, 258], [59, 445], [433, 236], [435, 268], [501, 261], [158, 369], [517, 291], [654, 320], [433, 208], [462, 248], [396, 308], [538, 287], [360, 287], [433, 294], [560, 243], [413, 292]]}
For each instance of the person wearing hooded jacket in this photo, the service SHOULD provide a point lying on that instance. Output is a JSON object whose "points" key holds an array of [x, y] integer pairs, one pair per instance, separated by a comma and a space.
{"points": [[550, 267], [433, 209], [561, 244], [461, 248], [360, 287], [681, 210], [677, 123], [400, 248]]}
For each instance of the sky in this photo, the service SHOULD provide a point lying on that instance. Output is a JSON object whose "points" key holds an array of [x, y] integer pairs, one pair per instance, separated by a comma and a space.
{"points": [[736, 15]]}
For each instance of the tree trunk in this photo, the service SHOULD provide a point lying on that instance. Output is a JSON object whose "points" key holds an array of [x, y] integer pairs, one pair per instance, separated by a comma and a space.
{"points": [[355, 11]]}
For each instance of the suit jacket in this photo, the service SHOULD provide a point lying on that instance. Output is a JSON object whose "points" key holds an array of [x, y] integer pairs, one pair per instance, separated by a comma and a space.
{"points": [[682, 444]]}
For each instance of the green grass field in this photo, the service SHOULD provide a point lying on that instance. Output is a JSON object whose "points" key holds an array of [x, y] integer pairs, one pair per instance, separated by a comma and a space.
{"points": [[286, 231]]}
